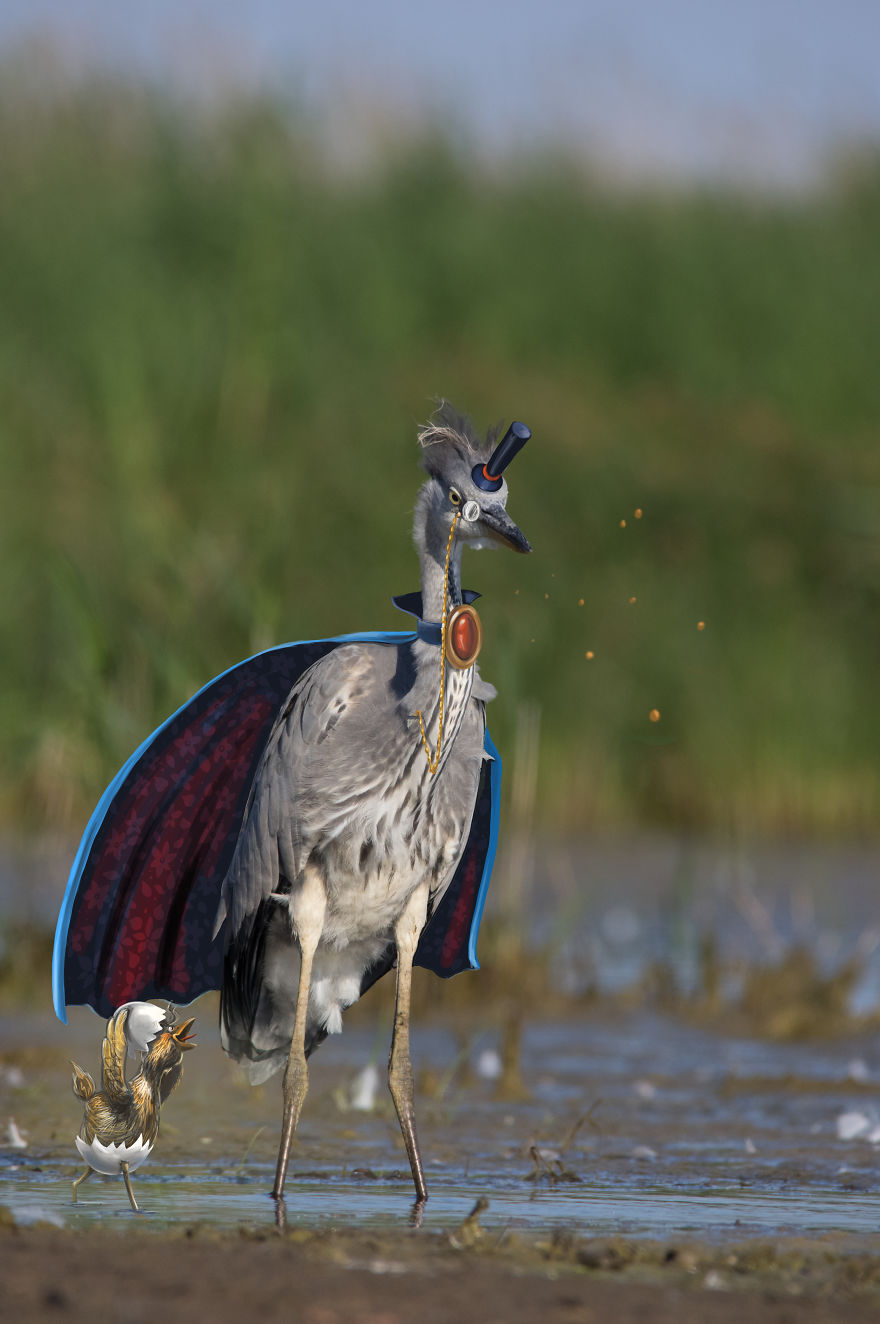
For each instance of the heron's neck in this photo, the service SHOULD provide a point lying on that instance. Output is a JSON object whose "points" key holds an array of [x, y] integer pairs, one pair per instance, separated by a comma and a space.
{"points": [[434, 596]]}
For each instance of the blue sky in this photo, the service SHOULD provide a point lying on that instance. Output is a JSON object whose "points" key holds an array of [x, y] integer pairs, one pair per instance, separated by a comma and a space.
{"points": [[757, 89]]}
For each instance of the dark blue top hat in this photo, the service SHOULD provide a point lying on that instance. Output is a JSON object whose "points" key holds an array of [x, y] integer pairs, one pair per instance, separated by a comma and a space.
{"points": [[488, 476]]}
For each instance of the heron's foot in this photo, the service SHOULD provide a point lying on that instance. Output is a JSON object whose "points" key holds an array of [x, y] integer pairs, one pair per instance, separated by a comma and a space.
{"points": [[416, 1212], [280, 1212], [400, 1076], [295, 1089], [400, 1083]]}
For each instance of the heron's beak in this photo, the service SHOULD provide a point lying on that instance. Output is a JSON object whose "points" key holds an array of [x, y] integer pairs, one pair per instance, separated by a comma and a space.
{"points": [[501, 527], [180, 1036]]}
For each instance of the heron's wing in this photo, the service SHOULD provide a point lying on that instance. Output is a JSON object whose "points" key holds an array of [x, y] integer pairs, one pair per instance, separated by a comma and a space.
{"points": [[137, 918], [321, 760], [113, 1050], [321, 763]]}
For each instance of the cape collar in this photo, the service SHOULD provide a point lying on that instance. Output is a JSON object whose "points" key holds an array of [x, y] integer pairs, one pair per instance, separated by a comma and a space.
{"points": [[428, 631]]}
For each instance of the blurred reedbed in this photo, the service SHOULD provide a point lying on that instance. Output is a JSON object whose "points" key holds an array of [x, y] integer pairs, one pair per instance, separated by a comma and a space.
{"points": [[213, 358]]}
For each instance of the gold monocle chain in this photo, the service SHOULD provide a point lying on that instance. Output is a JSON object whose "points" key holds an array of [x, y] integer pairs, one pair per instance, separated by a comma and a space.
{"points": [[434, 763]]}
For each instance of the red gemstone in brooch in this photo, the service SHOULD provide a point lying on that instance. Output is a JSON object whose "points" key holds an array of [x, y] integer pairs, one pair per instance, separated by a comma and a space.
{"points": [[464, 637]]}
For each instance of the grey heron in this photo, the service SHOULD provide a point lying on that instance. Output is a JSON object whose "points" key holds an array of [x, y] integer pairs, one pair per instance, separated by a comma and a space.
{"points": [[359, 810]]}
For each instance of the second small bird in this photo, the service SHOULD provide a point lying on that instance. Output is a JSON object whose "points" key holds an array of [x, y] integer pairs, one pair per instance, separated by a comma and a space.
{"points": [[121, 1119]]}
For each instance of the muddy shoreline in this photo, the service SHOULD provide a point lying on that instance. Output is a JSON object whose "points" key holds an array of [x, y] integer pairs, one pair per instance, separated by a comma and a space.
{"points": [[648, 1168], [345, 1277]]}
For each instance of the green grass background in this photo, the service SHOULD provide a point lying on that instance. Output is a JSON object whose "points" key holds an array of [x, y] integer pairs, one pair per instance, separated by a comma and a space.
{"points": [[214, 353]]}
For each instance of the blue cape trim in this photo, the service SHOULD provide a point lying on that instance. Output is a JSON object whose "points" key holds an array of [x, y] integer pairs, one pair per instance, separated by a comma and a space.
{"points": [[489, 862]]}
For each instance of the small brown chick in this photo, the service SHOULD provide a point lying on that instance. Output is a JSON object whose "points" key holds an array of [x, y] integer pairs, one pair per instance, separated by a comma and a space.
{"points": [[121, 1119]]}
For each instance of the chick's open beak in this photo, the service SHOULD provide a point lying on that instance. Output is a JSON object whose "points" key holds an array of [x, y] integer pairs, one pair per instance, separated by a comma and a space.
{"points": [[181, 1036], [496, 519]]}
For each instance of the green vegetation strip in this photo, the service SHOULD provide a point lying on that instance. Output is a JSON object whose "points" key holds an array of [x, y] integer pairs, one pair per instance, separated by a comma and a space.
{"points": [[213, 356]]}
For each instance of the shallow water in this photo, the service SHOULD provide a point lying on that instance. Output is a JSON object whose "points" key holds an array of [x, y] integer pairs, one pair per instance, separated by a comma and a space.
{"points": [[194, 1197], [639, 1125]]}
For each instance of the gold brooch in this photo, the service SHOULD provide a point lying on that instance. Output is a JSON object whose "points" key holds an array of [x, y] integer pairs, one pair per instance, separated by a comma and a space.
{"points": [[464, 637]]}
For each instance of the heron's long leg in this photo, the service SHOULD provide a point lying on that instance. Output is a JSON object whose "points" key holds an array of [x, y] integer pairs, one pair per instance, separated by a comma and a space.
{"points": [[79, 1181], [127, 1179], [400, 1076], [307, 910]]}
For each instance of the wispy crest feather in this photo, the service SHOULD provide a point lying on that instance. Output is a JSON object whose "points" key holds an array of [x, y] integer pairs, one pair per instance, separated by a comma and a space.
{"points": [[450, 430]]}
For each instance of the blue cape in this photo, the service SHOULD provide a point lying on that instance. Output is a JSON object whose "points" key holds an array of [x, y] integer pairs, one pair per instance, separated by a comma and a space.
{"points": [[138, 914]]}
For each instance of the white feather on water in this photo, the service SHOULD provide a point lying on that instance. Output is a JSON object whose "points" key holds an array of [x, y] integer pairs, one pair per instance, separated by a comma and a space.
{"points": [[364, 1089], [856, 1125], [15, 1138], [489, 1064]]}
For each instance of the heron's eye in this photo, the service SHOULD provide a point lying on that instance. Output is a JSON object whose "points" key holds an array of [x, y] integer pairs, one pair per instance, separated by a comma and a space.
{"points": [[454, 496]]}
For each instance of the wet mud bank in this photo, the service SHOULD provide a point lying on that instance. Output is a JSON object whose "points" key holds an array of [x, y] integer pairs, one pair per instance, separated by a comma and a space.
{"points": [[352, 1277], [634, 1166]]}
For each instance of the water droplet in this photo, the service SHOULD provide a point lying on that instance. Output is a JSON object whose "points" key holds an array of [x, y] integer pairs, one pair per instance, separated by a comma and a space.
{"points": [[654, 714], [589, 654], [701, 625], [638, 512]]}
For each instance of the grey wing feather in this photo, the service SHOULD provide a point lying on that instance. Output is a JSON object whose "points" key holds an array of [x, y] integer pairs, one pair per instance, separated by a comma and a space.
{"points": [[342, 778], [307, 777]]}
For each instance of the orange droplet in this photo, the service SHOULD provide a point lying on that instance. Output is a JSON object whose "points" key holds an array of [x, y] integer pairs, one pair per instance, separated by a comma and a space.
{"points": [[632, 600], [515, 592], [654, 714], [701, 625], [638, 512], [531, 641], [623, 523], [546, 596], [589, 654], [580, 602]]}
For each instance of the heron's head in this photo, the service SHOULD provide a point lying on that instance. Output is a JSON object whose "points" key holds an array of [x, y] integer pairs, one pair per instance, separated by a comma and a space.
{"points": [[466, 479]]}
